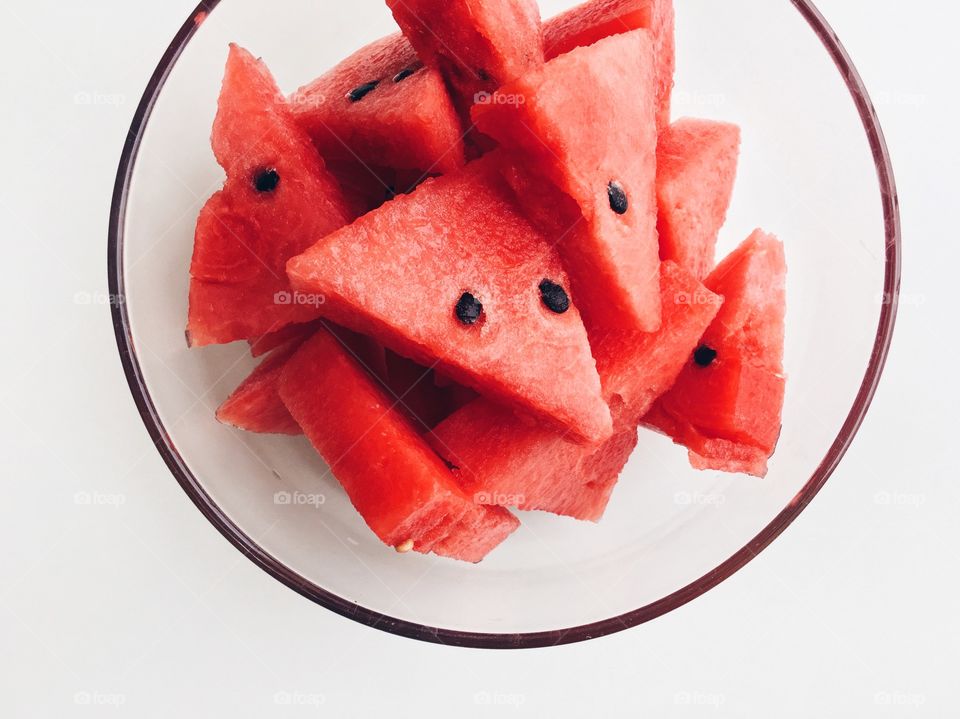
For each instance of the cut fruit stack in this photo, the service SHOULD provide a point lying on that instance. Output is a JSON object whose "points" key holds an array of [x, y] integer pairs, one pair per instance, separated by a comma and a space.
{"points": [[477, 257]]}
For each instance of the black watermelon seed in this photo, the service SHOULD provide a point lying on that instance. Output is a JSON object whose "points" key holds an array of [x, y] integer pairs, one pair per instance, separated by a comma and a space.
{"points": [[554, 297], [705, 356], [469, 309], [358, 93], [403, 74], [618, 198], [451, 466], [483, 75], [266, 180]]}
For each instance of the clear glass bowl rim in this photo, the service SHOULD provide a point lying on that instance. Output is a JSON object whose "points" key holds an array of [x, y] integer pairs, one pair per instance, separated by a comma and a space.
{"points": [[351, 610]]}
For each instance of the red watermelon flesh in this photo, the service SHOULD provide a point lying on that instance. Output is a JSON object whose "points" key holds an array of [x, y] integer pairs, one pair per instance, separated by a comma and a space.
{"points": [[402, 490], [595, 20], [291, 333], [459, 243], [696, 170], [382, 107], [255, 406], [726, 408], [245, 235], [478, 45], [612, 253], [503, 458], [416, 392]]}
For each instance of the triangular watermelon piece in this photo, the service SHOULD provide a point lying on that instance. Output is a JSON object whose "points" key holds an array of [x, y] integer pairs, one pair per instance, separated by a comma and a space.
{"points": [[454, 277], [591, 22], [401, 488], [278, 199], [504, 459], [291, 333], [605, 161], [696, 171], [726, 406], [255, 406], [478, 45], [382, 108]]}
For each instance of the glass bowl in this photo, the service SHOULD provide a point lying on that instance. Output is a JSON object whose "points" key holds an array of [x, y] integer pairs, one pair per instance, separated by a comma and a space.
{"points": [[814, 170]]}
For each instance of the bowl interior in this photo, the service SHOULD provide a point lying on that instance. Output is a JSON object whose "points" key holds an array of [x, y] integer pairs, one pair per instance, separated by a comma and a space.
{"points": [[807, 174]]}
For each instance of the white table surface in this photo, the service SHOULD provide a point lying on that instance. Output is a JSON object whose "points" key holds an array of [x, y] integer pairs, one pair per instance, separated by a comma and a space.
{"points": [[132, 605]]}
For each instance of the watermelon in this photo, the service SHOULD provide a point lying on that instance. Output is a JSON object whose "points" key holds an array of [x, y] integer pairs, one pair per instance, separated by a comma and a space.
{"points": [[478, 45], [382, 108], [415, 391], [503, 458], [726, 406], [595, 20], [255, 406], [291, 333], [455, 277], [605, 162], [403, 491], [696, 169], [277, 200]]}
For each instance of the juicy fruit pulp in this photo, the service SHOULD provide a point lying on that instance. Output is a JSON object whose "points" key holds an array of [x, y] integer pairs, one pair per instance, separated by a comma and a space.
{"points": [[696, 170], [506, 459], [400, 273], [591, 22], [609, 243], [277, 200], [728, 414], [382, 108], [478, 45], [401, 488]]}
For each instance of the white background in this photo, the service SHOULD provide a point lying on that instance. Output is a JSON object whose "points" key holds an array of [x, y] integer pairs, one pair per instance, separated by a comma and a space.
{"points": [[133, 605]]}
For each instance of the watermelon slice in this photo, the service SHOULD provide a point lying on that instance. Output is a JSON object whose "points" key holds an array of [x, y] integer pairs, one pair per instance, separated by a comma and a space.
{"points": [[506, 459], [277, 200], [291, 333], [382, 108], [402, 490], [696, 170], [612, 253], [726, 407], [595, 20], [255, 406], [478, 45], [454, 277]]}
